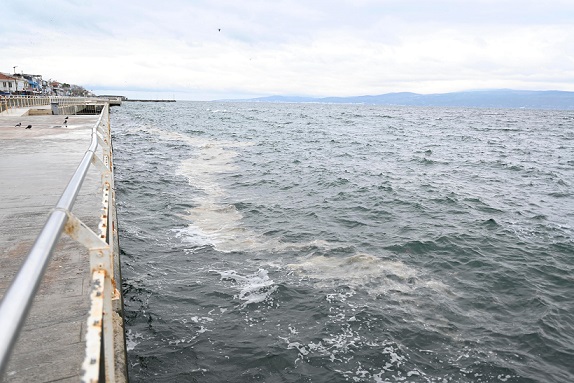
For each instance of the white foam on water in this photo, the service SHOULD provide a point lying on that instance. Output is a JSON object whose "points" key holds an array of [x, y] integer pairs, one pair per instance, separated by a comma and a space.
{"points": [[363, 271], [132, 339], [339, 346], [193, 141], [339, 349], [253, 288], [173, 136], [221, 226], [212, 221], [193, 236], [198, 319]]}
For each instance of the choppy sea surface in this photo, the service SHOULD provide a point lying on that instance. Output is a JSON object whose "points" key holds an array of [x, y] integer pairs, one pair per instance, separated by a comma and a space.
{"points": [[346, 243]]}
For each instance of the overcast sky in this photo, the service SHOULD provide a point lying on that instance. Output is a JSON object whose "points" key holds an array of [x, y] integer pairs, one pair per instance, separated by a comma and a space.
{"points": [[213, 49]]}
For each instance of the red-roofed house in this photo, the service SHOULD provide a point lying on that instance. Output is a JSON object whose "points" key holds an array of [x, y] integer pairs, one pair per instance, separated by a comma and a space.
{"points": [[10, 84]]}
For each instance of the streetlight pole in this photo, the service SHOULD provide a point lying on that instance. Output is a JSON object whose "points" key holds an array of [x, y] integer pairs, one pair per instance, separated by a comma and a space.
{"points": [[16, 81]]}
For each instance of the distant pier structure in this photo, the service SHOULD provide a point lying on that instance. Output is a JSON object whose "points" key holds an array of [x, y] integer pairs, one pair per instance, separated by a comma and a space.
{"points": [[129, 100], [61, 313], [117, 100], [113, 100]]}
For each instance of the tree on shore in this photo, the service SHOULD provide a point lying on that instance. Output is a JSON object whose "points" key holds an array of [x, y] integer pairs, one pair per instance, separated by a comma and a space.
{"points": [[78, 91]]}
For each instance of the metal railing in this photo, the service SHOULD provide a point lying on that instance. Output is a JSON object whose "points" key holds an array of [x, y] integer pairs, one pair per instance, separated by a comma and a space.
{"points": [[14, 101], [104, 265]]}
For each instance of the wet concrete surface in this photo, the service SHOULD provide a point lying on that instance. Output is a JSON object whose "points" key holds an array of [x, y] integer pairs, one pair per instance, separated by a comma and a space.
{"points": [[35, 167]]}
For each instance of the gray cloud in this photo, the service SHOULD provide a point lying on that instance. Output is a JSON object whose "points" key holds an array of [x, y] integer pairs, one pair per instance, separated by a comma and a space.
{"points": [[339, 47]]}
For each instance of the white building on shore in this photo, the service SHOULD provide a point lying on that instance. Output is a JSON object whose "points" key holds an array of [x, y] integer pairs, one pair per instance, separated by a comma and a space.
{"points": [[11, 84]]}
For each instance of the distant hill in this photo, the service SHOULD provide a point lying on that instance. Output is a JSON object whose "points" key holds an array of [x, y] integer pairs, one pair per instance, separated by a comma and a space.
{"points": [[503, 98]]}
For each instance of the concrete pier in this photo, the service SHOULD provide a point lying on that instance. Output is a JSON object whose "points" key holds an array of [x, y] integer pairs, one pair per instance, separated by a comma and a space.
{"points": [[35, 167]]}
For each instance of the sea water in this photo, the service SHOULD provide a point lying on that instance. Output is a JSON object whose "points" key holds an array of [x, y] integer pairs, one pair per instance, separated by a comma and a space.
{"points": [[270, 242]]}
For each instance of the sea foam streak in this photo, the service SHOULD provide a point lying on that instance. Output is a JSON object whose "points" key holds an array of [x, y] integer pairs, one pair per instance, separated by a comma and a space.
{"points": [[364, 271], [253, 288], [212, 221], [218, 224]]}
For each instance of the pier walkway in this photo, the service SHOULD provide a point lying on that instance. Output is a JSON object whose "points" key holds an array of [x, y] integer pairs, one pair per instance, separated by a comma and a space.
{"points": [[35, 167]]}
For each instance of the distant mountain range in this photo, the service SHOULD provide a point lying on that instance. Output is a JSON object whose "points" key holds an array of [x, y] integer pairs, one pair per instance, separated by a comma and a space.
{"points": [[503, 98]]}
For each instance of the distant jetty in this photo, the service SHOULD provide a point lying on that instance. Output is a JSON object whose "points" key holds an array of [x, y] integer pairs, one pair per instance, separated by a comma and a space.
{"points": [[149, 100], [119, 99]]}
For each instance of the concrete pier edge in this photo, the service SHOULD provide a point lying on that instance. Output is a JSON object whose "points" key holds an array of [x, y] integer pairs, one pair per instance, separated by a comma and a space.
{"points": [[47, 125]]}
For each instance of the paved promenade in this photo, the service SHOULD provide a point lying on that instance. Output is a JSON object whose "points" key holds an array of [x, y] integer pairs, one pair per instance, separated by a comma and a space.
{"points": [[35, 167]]}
